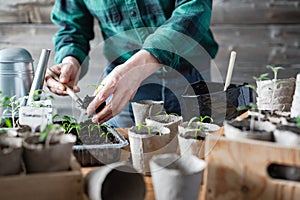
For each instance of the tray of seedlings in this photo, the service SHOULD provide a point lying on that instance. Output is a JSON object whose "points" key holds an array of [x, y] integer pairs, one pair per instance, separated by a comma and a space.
{"points": [[96, 144]]}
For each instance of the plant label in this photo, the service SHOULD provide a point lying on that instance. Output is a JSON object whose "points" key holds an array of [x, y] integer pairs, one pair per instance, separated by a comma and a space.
{"points": [[34, 117], [43, 103]]}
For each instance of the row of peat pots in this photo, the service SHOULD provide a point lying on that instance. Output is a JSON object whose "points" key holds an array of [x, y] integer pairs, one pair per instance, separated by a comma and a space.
{"points": [[168, 147]]}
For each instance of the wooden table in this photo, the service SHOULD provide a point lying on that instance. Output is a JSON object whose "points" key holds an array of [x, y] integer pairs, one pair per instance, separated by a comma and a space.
{"points": [[148, 181]]}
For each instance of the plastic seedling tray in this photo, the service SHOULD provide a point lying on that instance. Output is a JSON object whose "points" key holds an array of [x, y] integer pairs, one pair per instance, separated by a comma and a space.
{"points": [[105, 152]]}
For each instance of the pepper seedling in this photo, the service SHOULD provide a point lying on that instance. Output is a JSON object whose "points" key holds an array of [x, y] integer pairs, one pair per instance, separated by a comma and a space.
{"points": [[200, 127]]}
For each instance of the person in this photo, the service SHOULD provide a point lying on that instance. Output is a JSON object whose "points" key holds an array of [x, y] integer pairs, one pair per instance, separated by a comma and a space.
{"points": [[154, 49]]}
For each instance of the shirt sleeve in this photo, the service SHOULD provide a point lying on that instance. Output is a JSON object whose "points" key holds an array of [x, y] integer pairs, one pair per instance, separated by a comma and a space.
{"points": [[184, 34], [75, 29]]}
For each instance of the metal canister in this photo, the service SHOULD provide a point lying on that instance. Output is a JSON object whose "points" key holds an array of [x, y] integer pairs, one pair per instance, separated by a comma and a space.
{"points": [[16, 72]]}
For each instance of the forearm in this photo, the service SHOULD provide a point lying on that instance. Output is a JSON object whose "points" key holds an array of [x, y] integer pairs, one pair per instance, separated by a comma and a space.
{"points": [[75, 29]]}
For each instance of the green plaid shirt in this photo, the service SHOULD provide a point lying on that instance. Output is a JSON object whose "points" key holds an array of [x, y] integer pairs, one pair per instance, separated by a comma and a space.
{"points": [[171, 30]]}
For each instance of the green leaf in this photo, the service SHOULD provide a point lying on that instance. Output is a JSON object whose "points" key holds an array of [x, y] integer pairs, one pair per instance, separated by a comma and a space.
{"points": [[205, 117], [251, 87], [298, 121], [8, 123], [262, 77], [241, 108]]}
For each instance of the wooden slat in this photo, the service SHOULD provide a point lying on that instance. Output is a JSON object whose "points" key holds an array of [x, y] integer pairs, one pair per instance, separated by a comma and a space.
{"points": [[27, 11], [252, 35], [244, 72], [255, 12], [238, 170], [44, 186]]}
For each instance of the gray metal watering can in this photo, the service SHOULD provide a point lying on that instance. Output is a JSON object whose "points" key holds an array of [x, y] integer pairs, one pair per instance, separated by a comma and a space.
{"points": [[17, 77]]}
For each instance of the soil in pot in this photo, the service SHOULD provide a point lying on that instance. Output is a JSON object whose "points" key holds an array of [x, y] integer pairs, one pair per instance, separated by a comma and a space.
{"points": [[275, 117], [262, 130], [10, 155], [20, 130]]}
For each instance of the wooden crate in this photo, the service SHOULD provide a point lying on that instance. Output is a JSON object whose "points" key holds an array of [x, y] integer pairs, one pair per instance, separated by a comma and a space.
{"points": [[44, 186], [238, 170]]}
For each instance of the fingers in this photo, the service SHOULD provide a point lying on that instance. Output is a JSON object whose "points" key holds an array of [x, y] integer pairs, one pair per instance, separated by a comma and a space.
{"points": [[99, 99], [54, 86], [114, 107], [67, 75]]}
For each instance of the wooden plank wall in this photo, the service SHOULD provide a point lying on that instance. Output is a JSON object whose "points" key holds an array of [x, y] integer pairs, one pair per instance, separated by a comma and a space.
{"points": [[261, 31]]}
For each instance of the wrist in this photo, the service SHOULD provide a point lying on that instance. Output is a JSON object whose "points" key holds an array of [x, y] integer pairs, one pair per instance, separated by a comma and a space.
{"points": [[71, 60]]}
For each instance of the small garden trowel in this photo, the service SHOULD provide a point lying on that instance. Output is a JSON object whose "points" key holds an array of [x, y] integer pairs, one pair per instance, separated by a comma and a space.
{"points": [[82, 103]]}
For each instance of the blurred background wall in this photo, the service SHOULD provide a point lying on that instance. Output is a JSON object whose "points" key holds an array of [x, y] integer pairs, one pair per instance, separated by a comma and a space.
{"points": [[260, 31]]}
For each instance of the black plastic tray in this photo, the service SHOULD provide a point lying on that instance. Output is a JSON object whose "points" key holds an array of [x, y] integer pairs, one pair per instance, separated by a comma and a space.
{"points": [[208, 98]]}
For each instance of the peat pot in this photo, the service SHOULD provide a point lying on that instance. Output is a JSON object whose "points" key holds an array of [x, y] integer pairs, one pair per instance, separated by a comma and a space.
{"points": [[40, 157], [275, 94], [115, 181], [144, 143], [295, 110], [192, 140], [175, 177], [10, 155], [145, 108], [169, 121]]}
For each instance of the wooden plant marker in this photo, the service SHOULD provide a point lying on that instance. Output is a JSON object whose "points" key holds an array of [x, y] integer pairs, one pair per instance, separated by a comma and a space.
{"points": [[237, 169]]}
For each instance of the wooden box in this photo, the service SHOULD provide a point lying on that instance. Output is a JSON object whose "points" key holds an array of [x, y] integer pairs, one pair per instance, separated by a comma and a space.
{"points": [[44, 186], [239, 169]]}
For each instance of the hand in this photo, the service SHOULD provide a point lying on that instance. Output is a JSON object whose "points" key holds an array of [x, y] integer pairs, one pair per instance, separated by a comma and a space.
{"points": [[122, 83], [68, 72]]}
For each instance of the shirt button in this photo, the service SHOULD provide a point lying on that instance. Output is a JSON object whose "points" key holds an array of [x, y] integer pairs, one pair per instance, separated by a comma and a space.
{"points": [[133, 13]]}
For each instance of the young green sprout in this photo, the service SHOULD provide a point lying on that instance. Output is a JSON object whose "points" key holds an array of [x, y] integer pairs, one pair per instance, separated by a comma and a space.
{"points": [[41, 95], [93, 126], [262, 77], [11, 104], [69, 124], [200, 127], [298, 121], [49, 129], [104, 131], [275, 70]]}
